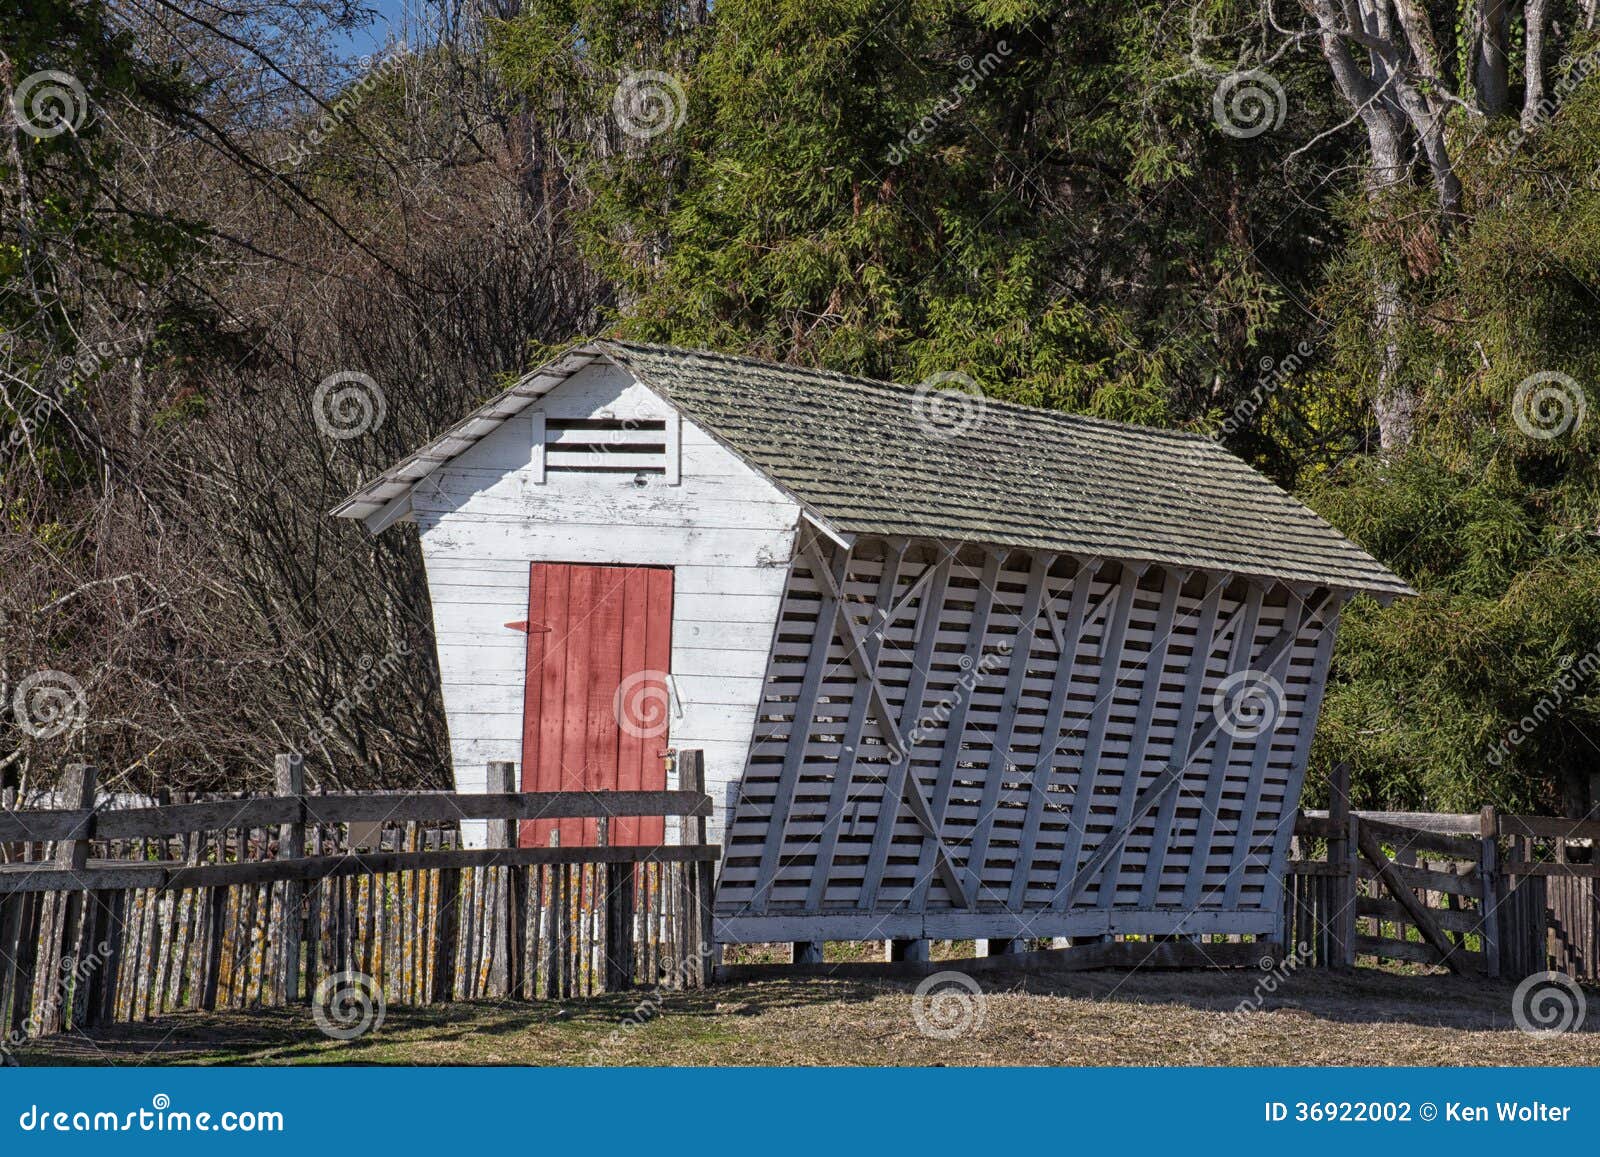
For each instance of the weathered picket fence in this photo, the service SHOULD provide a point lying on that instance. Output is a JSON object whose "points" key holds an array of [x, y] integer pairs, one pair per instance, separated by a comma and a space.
{"points": [[114, 915], [1501, 895]]}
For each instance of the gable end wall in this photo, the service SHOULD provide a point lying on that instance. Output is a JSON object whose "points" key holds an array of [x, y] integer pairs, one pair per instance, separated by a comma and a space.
{"points": [[725, 530]]}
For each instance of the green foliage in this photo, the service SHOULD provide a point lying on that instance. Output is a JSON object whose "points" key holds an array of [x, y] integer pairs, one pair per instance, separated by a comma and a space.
{"points": [[1007, 190], [1497, 528], [1044, 203]]}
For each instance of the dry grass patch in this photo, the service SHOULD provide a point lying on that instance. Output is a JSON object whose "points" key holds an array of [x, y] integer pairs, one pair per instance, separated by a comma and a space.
{"points": [[1170, 1018]]}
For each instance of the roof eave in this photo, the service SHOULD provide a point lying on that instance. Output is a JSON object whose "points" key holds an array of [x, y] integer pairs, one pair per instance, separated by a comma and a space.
{"points": [[363, 503]]}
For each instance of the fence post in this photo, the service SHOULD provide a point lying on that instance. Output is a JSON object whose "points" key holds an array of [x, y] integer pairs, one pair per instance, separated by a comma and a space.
{"points": [[66, 925], [77, 792], [8, 802], [555, 917], [1339, 920], [507, 973], [289, 780], [502, 781], [517, 931], [692, 777], [1492, 887], [449, 935]]}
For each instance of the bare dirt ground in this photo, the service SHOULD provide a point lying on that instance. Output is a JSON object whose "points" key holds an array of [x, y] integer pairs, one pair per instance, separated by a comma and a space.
{"points": [[1091, 1018]]}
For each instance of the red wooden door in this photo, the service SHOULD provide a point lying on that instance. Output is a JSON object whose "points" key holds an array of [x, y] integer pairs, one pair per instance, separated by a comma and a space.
{"points": [[596, 703]]}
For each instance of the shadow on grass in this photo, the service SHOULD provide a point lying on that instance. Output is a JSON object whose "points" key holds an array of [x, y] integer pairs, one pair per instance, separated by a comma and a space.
{"points": [[578, 1031]]}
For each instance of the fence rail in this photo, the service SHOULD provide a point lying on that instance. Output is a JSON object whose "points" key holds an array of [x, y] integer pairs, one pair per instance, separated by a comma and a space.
{"points": [[233, 903], [182, 818]]}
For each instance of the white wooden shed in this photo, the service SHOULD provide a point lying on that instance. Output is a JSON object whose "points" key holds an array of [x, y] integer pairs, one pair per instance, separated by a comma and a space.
{"points": [[972, 670]]}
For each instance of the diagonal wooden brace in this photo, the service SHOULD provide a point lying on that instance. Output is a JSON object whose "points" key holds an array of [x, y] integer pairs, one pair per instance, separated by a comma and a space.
{"points": [[888, 726], [929, 573], [1272, 656], [1431, 932]]}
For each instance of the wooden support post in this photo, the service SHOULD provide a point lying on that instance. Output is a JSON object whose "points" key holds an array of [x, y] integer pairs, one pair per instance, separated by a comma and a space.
{"points": [[912, 950], [65, 916], [215, 942], [1493, 889], [1338, 926], [63, 989], [116, 911], [806, 952], [705, 953], [9, 853], [77, 792], [555, 940], [504, 913], [289, 772], [1352, 890], [87, 972], [517, 877], [10, 921], [25, 968], [502, 780], [708, 951], [692, 777]]}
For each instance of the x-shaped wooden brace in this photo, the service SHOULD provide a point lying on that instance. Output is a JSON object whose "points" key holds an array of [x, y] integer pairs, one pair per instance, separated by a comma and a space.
{"points": [[1273, 656], [889, 727]]}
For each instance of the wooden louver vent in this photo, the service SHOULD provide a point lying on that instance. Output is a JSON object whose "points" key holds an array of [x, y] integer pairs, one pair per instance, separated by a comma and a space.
{"points": [[606, 445]]}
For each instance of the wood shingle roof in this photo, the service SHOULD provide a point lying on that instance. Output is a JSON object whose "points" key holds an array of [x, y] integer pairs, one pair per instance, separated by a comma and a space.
{"points": [[876, 458]]}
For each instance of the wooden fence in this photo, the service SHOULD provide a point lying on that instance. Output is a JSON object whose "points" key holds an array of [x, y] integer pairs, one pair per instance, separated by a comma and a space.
{"points": [[110, 915], [239, 902], [1486, 893]]}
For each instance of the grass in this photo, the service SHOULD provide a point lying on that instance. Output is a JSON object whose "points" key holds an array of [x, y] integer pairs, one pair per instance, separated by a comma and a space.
{"points": [[1156, 1018]]}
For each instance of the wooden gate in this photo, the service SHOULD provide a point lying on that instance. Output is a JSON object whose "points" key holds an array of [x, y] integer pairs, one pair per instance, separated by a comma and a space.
{"points": [[1504, 895], [597, 702]]}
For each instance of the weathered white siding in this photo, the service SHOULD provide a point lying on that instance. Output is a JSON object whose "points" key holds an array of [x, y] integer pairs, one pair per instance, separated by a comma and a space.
{"points": [[725, 530]]}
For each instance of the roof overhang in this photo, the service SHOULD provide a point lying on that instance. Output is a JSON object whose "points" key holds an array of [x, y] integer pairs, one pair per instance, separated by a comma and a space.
{"points": [[386, 499]]}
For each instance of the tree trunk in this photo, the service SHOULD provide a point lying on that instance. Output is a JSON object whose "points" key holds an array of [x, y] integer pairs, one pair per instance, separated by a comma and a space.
{"points": [[1395, 405], [1489, 65], [1533, 94]]}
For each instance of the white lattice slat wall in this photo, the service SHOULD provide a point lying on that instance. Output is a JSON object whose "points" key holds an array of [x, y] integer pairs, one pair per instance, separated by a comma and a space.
{"points": [[830, 840]]}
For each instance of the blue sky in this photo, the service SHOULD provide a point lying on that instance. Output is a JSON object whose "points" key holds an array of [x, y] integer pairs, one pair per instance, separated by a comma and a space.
{"points": [[390, 22]]}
